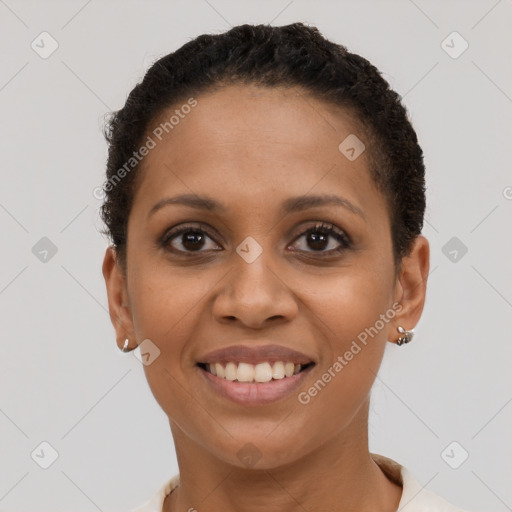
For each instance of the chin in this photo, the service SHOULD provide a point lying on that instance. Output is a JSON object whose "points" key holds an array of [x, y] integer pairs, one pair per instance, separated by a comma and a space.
{"points": [[260, 452]]}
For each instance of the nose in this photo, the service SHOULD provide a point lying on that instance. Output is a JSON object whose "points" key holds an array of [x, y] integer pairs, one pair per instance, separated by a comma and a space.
{"points": [[254, 294]]}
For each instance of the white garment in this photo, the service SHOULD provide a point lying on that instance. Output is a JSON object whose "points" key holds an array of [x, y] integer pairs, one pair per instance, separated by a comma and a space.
{"points": [[414, 497]]}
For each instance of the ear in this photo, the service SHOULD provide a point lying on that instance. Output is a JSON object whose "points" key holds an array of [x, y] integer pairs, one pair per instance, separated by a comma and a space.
{"points": [[118, 303], [411, 286]]}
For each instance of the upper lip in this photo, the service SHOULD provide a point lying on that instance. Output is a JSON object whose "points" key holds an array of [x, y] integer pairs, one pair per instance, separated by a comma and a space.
{"points": [[255, 354]]}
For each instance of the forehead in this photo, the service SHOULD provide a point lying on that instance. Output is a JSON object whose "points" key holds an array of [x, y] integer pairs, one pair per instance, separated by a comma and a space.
{"points": [[244, 141], [259, 114]]}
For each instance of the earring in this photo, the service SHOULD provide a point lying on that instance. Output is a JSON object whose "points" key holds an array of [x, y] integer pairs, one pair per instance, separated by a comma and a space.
{"points": [[408, 336], [125, 346]]}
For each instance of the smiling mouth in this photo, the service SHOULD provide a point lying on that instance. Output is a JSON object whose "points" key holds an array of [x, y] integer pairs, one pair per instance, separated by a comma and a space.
{"points": [[254, 373]]}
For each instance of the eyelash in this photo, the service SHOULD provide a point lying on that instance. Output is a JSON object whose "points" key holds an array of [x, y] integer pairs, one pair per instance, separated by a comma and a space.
{"points": [[325, 229]]}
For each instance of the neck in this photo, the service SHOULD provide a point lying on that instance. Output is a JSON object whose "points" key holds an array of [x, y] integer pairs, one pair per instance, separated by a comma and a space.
{"points": [[339, 475]]}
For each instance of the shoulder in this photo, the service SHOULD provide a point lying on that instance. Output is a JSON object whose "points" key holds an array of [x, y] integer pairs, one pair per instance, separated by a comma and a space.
{"points": [[155, 503], [415, 498]]}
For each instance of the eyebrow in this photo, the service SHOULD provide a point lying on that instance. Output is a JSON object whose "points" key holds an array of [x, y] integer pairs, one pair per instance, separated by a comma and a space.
{"points": [[290, 205]]}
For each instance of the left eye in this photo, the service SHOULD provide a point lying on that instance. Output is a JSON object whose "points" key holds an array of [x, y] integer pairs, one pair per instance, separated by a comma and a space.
{"points": [[318, 238]]}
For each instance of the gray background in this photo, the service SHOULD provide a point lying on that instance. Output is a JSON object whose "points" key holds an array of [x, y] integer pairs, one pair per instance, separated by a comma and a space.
{"points": [[63, 379]]}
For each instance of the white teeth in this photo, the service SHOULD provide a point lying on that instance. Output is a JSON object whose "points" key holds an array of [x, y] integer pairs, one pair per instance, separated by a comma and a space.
{"points": [[262, 372], [219, 370], [278, 370], [289, 368], [231, 373], [245, 372]]}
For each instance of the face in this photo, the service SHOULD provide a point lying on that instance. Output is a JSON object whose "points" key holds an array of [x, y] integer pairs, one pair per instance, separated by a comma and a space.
{"points": [[266, 266]]}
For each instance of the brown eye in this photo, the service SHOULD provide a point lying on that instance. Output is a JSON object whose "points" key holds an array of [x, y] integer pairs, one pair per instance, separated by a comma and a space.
{"points": [[189, 239], [322, 237]]}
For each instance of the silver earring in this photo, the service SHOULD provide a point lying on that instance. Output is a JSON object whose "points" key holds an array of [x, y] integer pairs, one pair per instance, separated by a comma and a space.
{"points": [[125, 346], [408, 335]]}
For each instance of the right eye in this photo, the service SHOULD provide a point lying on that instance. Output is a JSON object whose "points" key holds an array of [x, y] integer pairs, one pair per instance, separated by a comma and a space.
{"points": [[188, 239]]}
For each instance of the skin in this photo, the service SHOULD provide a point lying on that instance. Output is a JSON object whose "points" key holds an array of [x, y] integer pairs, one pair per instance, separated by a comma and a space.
{"points": [[251, 148]]}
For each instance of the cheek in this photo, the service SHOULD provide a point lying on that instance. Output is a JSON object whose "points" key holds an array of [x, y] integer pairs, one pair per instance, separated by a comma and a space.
{"points": [[350, 359], [350, 306], [352, 318], [166, 310], [164, 304]]}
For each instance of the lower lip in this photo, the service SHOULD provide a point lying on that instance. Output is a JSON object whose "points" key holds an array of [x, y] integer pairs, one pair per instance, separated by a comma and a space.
{"points": [[255, 393]]}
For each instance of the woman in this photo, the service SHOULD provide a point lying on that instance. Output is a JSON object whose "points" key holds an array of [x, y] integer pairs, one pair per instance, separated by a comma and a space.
{"points": [[265, 198]]}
